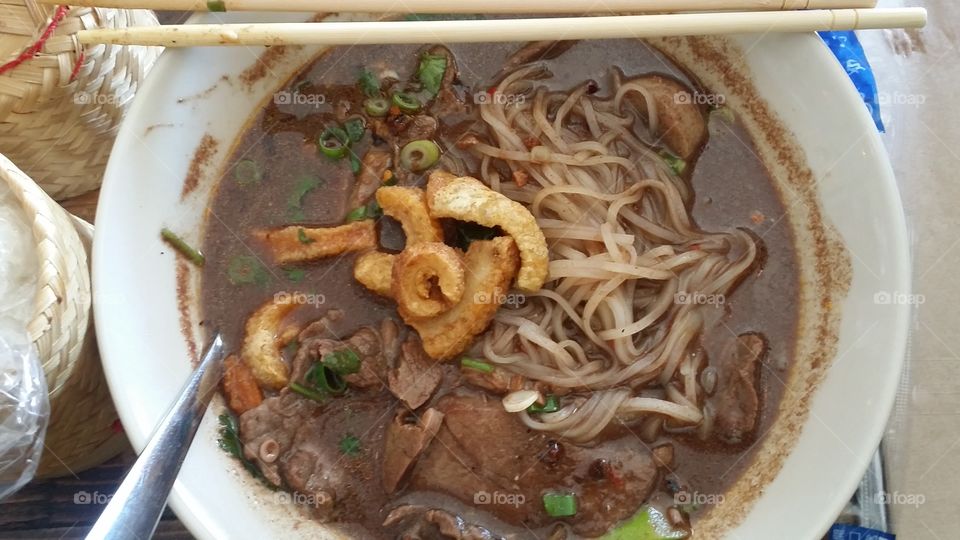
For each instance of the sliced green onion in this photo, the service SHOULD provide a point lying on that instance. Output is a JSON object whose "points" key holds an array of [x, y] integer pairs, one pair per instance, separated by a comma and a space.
{"points": [[370, 211], [648, 524], [333, 142], [177, 243], [419, 155], [369, 84], [550, 404], [349, 445], [430, 72], [303, 238], [305, 185], [216, 5], [676, 164], [376, 106], [406, 102], [307, 392], [357, 214], [296, 275], [325, 379], [354, 128], [560, 504], [355, 164], [247, 172], [246, 269], [478, 365], [342, 362]]}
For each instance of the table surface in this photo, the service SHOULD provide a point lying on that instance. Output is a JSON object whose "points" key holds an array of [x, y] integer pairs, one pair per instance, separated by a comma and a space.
{"points": [[918, 73]]}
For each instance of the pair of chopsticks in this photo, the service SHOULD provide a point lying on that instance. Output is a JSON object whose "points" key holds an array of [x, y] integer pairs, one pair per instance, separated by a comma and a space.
{"points": [[702, 17]]}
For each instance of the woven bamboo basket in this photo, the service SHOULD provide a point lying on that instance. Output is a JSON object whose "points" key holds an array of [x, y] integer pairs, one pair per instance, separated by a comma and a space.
{"points": [[61, 103], [83, 430]]}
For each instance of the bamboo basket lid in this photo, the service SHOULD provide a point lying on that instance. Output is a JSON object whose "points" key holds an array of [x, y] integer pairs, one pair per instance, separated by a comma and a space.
{"points": [[84, 429], [60, 102]]}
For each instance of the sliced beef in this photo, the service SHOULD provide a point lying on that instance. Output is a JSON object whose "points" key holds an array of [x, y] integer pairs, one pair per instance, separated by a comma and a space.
{"points": [[416, 376], [736, 403], [373, 367], [534, 51], [482, 449], [372, 167], [418, 127], [422, 523], [681, 123], [365, 342], [448, 101], [272, 426], [407, 437]]}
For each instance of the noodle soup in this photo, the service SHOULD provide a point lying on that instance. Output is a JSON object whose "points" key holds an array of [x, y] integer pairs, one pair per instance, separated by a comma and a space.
{"points": [[405, 374]]}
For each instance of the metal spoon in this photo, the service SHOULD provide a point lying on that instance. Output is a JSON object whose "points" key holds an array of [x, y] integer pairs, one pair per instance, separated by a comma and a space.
{"points": [[135, 508]]}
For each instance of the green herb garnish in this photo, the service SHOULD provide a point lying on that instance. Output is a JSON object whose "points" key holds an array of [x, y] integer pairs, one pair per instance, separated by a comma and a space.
{"points": [[354, 128], [342, 362], [246, 269], [430, 72], [360, 213], [349, 445], [377, 106], [303, 238], [247, 172], [648, 524], [177, 243], [309, 393], [478, 365], [560, 504], [677, 165], [355, 164], [369, 84], [550, 404], [296, 275], [305, 185]]}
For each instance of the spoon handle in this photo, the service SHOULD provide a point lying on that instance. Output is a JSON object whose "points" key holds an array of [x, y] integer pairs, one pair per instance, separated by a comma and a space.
{"points": [[135, 508]]}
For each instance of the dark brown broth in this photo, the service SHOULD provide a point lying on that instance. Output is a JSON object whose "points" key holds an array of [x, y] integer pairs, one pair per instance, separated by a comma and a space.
{"points": [[731, 186]]}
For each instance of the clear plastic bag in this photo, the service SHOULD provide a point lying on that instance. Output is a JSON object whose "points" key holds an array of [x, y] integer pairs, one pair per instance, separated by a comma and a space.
{"points": [[24, 408]]}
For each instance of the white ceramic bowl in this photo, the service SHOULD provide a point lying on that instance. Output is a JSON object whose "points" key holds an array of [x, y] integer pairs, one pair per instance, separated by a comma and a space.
{"points": [[147, 359]]}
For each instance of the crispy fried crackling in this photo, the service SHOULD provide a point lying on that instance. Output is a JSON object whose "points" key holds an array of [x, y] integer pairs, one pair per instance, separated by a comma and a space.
{"points": [[295, 244], [491, 267], [468, 199]]}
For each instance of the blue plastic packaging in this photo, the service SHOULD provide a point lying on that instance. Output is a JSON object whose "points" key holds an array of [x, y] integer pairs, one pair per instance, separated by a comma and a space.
{"points": [[853, 532], [846, 47]]}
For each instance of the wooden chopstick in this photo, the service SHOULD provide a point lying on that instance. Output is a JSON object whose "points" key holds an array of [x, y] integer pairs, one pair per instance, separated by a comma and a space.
{"points": [[477, 6], [491, 30]]}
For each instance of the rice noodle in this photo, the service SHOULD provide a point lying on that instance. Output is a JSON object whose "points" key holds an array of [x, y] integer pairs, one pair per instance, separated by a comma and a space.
{"points": [[617, 326]]}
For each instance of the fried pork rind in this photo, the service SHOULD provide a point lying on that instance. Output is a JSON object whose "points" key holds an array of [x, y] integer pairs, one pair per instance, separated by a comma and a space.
{"points": [[428, 278], [409, 207], [261, 342], [492, 265], [295, 244], [468, 199], [373, 270]]}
